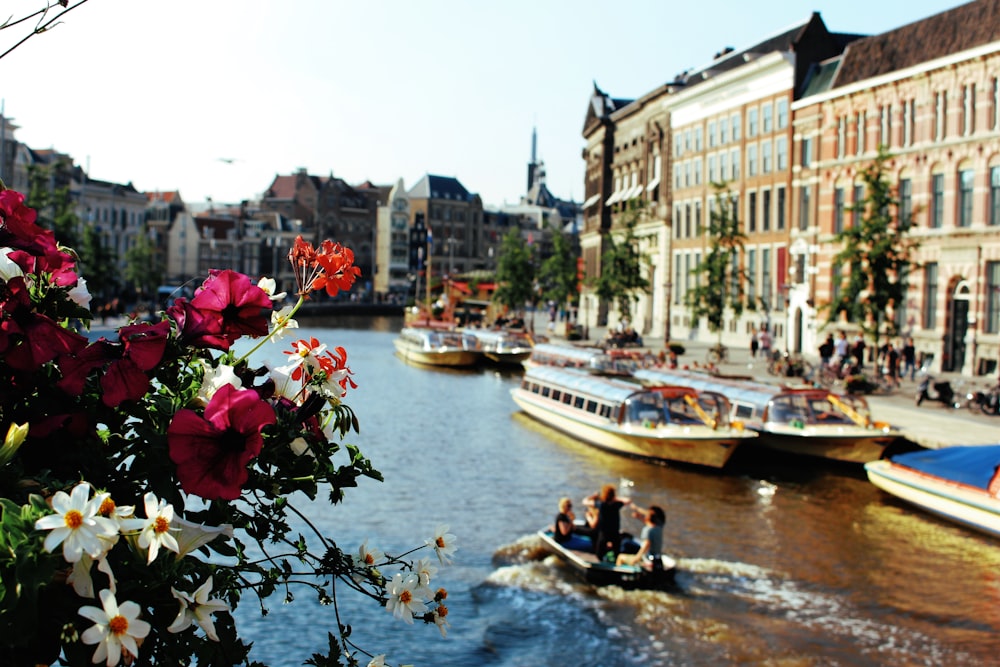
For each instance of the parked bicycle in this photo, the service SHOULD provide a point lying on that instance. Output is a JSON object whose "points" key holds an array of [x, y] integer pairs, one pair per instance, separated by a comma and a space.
{"points": [[986, 401], [717, 354], [784, 364]]}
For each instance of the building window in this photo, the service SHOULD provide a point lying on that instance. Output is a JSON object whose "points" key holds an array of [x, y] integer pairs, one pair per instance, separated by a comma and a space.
{"points": [[711, 134], [751, 276], [723, 130], [765, 157], [968, 109], [862, 132], [698, 169], [937, 201], [858, 209], [697, 138], [909, 114], [678, 218], [995, 195], [697, 218], [995, 85], [807, 151], [940, 115], [677, 280], [735, 119], [905, 203], [836, 287], [838, 210], [781, 148], [782, 106], [751, 160], [752, 115], [805, 195], [965, 198], [841, 136], [687, 221], [765, 213], [752, 212], [929, 315], [992, 324], [735, 209], [780, 206], [678, 145], [885, 135], [734, 162], [765, 279], [712, 176], [723, 166], [687, 139], [734, 275], [767, 118]]}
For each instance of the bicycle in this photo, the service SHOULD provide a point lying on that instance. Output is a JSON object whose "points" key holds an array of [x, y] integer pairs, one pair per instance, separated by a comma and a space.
{"points": [[717, 354]]}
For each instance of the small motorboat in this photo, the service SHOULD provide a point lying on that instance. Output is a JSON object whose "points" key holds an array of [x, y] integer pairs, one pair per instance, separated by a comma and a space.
{"points": [[960, 483], [603, 573], [437, 347]]}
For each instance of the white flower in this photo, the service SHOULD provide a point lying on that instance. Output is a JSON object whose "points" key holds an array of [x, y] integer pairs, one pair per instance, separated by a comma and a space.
{"points": [[424, 570], [269, 285], [299, 446], [377, 661], [331, 387], [403, 601], [215, 378], [77, 525], [284, 386], [8, 267], [198, 608], [156, 529], [281, 322], [193, 536], [83, 583], [116, 628], [80, 295], [443, 543], [440, 621]]}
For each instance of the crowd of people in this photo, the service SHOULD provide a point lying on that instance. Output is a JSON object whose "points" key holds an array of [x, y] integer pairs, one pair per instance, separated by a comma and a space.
{"points": [[894, 360]]}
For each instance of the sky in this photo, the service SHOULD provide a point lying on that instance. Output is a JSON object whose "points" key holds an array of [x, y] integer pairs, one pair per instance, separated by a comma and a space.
{"points": [[215, 98]]}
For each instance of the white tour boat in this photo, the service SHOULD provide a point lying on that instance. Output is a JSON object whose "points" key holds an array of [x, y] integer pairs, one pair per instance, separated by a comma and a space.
{"points": [[437, 347], [656, 423]]}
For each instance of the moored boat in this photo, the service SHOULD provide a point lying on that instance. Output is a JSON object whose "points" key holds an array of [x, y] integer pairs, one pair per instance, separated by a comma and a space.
{"points": [[960, 483], [806, 421], [667, 423], [602, 573], [437, 347], [503, 346], [591, 359]]}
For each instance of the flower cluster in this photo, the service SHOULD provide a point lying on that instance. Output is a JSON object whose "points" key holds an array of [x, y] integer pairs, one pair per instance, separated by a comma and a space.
{"points": [[168, 417]]}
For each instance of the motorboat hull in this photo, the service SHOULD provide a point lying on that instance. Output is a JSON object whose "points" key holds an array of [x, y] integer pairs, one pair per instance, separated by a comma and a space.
{"points": [[601, 573]]}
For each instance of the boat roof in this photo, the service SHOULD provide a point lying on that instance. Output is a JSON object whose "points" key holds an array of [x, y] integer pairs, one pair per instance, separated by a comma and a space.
{"points": [[580, 353], [736, 390], [585, 383], [973, 465]]}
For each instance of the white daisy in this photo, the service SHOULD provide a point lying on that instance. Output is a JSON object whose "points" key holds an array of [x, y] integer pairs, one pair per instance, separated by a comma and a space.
{"points": [[116, 627], [156, 530], [443, 543], [281, 322], [269, 285], [197, 608], [77, 525], [403, 600]]}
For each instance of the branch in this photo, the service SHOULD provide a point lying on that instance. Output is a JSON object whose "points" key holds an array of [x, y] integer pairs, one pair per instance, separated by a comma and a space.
{"points": [[44, 22]]}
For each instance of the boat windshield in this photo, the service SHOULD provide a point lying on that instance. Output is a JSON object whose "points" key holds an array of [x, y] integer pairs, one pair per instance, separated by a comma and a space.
{"points": [[818, 409], [645, 408], [702, 409]]}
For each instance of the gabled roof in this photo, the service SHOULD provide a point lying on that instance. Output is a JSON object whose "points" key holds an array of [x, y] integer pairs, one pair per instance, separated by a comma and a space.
{"points": [[601, 106], [439, 187], [959, 29], [165, 197]]}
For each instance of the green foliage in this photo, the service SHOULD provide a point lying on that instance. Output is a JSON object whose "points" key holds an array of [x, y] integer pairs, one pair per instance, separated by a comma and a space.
{"points": [[142, 266], [557, 274], [877, 254], [720, 279], [49, 194], [515, 272], [621, 280], [98, 263]]}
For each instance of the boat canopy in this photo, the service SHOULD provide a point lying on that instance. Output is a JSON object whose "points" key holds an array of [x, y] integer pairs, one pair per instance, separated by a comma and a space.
{"points": [[973, 465], [583, 383]]}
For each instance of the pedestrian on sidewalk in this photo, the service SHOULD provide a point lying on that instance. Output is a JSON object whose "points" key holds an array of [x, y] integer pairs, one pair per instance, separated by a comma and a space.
{"points": [[909, 356], [765, 342], [754, 342], [826, 350]]}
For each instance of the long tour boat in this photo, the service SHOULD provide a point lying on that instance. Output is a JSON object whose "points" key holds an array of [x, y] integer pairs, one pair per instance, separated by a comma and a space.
{"points": [[592, 359], [961, 484], [503, 346], [437, 347], [667, 423], [798, 420]]}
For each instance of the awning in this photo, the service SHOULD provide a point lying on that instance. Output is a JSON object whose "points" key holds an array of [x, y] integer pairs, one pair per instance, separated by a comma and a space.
{"points": [[615, 196], [653, 184], [591, 201], [632, 193]]}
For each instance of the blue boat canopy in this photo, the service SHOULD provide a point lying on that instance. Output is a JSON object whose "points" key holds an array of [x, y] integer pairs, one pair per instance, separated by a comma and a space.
{"points": [[972, 465]]}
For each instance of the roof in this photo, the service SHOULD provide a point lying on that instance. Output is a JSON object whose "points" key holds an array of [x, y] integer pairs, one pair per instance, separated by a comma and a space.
{"points": [[959, 29], [439, 187]]}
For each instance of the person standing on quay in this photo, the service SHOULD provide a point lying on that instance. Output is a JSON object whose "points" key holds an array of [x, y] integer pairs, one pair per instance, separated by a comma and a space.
{"points": [[765, 342], [754, 342], [909, 356]]}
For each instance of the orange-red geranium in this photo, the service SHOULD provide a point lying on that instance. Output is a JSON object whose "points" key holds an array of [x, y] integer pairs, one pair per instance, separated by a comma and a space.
{"points": [[331, 267]]}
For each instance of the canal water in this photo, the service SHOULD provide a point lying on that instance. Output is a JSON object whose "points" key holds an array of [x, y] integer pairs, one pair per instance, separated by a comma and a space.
{"points": [[781, 562]]}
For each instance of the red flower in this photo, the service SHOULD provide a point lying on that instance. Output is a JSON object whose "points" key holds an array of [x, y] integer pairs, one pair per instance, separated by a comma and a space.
{"points": [[212, 451], [241, 306], [331, 267], [198, 328]]}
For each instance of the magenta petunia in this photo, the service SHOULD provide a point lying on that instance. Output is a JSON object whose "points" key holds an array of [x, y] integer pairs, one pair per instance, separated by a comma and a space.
{"points": [[243, 306], [212, 451], [198, 328]]}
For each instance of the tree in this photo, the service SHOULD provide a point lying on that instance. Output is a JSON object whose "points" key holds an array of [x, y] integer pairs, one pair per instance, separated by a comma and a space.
{"points": [[720, 278], [142, 266], [515, 272], [621, 279], [49, 194], [557, 274], [98, 264], [877, 253]]}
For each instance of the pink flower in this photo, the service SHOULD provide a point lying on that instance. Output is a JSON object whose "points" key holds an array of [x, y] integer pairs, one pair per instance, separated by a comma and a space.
{"points": [[212, 451], [242, 306]]}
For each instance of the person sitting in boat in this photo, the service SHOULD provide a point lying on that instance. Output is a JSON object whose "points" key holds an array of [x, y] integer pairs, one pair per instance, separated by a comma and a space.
{"points": [[564, 529], [607, 533], [650, 540]]}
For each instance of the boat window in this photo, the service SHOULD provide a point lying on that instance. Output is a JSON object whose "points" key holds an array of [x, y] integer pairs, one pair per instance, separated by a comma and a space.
{"points": [[645, 408], [682, 413], [743, 411], [592, 406], [578, 403], [825, 412], [546, 391], [715, 407], [787, 409], [567, 398], [556, 395], [606, 411]]}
